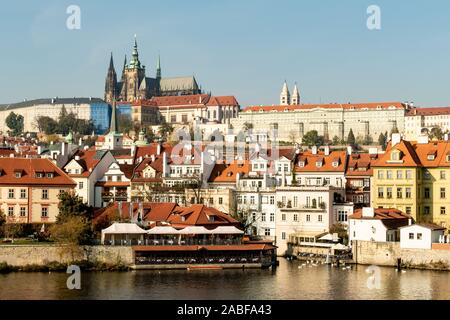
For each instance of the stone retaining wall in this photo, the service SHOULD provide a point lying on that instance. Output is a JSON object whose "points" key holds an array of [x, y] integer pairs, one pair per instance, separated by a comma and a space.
{"points": [[22, 255], [387, 253]]}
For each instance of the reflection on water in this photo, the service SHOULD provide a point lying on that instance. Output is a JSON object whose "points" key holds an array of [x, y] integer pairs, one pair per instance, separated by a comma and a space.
{"points": [[287, 282]]}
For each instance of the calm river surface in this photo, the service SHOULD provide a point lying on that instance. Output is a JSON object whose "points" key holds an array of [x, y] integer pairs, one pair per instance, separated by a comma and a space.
{"points": [[287, 282]]}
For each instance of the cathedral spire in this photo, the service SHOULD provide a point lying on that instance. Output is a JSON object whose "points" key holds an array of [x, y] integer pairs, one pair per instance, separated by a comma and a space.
{"points": [[295, 99], [284, 95], [134, 62], [113, 126], [158, 68], [111, 62]]}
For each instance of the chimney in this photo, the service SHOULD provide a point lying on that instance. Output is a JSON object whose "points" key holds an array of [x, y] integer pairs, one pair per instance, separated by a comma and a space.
{"points": [[396, 138], [85, 148], [326, 150], [349, 150], [158, 149], [11, 155], [368, 212], [39, 150], [63, 149], [133, 150], [373, 151], [152, 157], [314, 150], [77, 158], [409, 222], [446, 137]]}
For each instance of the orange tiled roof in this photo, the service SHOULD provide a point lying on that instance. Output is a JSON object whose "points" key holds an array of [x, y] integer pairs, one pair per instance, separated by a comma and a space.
{"points": [[360, 165], [310, 161], [197, 214], [228, 172], [428, 111], [29, 168], [347, 106], [222, 101]]}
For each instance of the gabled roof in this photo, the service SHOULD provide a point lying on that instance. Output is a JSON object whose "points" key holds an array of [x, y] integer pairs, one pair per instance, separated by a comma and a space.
{"points": [[408, 158], [178, 83], [360, 165], [227, 173], [222, 101], [391, 218], [310, 161], [28, 168], [199, 214], [89, 159], [194, 99]]}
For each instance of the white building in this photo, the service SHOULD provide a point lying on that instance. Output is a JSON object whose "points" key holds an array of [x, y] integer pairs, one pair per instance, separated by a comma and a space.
{"points": [[85, 108], [420, 120], [86, 167], [305, 210], [379, 225], [329, 120], [420, 236]]}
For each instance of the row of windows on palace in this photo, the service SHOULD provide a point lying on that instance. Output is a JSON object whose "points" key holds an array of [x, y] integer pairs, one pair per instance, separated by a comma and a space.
{"points": [[23, 194], [23, 211], [426, 175], [408, 193]]}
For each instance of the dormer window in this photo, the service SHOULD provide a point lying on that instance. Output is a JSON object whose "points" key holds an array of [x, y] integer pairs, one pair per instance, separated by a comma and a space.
{"points": [[18, 174], [395, 155], [50, 174], [431, 156], [319, 164], [301, 164], [39, 174], [448, 158]]}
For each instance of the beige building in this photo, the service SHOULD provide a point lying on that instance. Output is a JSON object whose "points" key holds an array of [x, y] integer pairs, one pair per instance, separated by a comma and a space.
{"points": [[29, 189], [420, 120], [330, 120]]}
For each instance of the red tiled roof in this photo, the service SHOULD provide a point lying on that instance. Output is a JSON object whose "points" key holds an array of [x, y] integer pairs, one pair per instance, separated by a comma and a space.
{"points": [[87, 161], [29, 168], [348, 106], [196, 99], [360, 166], [310, 161], [228, 172], [198, 214], [391, 218], [428, 111], [222, 101]]}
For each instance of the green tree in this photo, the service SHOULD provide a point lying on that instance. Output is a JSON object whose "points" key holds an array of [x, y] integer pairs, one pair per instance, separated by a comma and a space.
{"points": [[15, 123], [436, 133], [351, 138], [47, 125], [244, 218], [312, 138], [72, 206], [165, 130], [2, 222], [382, 139], [124, 122]]}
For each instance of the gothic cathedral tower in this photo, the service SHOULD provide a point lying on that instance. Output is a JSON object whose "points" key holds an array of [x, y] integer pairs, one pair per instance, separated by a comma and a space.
{"points": [[111, 82], [285, 97]]}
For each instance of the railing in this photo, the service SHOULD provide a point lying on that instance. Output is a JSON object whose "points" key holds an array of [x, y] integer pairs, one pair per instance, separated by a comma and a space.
{"points": [[116, 195], [198, 260], [171, 242]]}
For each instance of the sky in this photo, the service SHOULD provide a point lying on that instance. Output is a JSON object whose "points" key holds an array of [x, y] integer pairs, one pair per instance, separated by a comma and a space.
{"points": [[245, 48]]}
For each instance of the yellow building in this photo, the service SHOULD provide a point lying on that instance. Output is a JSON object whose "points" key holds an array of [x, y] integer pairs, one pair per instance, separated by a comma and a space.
{"points": [[414, 177], [29, 189]]}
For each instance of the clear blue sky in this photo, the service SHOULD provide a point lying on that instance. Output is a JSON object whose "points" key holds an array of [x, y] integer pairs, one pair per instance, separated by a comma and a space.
{"points": [[246, 48]]}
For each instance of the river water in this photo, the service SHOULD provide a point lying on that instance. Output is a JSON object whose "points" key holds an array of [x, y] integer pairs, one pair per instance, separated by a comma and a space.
{"points": [[288, 281]]}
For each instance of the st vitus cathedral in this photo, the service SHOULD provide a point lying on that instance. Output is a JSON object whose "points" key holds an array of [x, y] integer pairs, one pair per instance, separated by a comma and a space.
{"points": [[134, 84]]}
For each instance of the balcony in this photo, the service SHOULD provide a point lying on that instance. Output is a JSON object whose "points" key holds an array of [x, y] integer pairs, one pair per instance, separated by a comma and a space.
{"points": [[117, 196], [288, 207]]}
